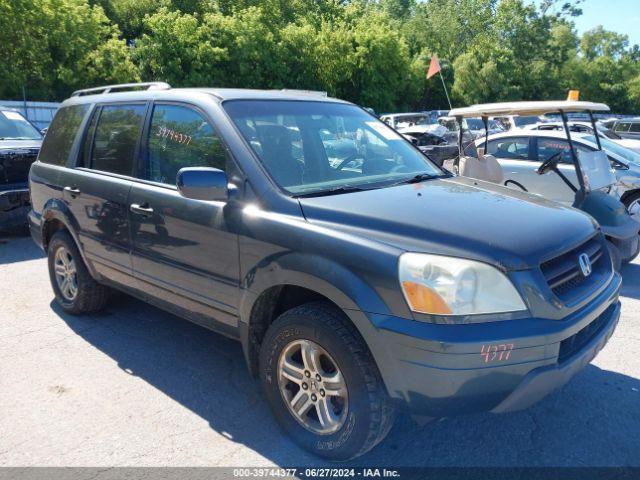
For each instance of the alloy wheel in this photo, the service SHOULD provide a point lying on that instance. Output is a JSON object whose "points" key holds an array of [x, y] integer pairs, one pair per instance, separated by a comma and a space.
{"points": [[313, 387], [66, 274]]}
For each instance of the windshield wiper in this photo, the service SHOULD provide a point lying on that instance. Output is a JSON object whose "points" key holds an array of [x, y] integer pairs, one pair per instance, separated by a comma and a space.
{"points": [[332, 191], [420, 177]]}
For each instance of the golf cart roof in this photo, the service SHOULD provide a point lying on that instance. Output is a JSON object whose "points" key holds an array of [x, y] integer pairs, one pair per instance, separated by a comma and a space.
{"points": [[527, 108]]}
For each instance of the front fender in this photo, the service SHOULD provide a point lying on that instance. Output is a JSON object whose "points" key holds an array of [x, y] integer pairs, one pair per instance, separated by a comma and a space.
{"points": [[314, 272], [357, 299]]}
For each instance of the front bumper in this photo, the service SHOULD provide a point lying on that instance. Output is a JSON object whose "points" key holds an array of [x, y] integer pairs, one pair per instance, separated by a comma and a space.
{"points": [[13, 196], [14, 206], [442, 370]]}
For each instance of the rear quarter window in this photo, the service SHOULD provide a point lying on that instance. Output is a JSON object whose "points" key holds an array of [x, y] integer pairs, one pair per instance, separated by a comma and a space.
{"points": [[61, 134]]}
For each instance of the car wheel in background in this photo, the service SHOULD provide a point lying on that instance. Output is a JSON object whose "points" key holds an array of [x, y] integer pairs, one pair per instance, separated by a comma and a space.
{"points": [[632, 202]]}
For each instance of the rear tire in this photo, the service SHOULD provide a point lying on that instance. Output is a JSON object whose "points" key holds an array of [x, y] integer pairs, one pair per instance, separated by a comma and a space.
{"points": [[363, 412], [75, 289]]}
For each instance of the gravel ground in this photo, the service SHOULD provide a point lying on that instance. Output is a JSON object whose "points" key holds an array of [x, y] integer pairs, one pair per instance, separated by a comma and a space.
{"points": [[135, 386]]}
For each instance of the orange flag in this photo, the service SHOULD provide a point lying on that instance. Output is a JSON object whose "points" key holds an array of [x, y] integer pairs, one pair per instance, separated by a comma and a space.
{"points": [[434, 67]]}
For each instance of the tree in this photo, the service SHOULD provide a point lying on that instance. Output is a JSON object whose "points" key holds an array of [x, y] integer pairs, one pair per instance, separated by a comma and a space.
{"points": [[54, 46]]}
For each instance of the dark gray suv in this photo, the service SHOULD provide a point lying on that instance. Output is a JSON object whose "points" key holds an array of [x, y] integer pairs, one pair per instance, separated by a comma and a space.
{"points": [[359, 277]]}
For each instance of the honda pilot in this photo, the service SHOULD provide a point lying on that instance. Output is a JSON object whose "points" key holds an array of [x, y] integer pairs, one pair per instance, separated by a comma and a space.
{"points": [[359, 277]]}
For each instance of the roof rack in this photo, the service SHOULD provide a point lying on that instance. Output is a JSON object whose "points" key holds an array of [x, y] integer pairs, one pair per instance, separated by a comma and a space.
{"points": [[316, 93], [122, 87]]}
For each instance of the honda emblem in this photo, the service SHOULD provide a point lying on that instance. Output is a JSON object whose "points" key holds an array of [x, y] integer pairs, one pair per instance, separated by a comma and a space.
{"points": [[585, 264]]}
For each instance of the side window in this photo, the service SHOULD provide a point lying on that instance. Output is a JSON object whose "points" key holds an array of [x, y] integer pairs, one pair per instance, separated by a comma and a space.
{"points": [[116, 138], [61, 134], [180, 137], [514, 147], [550, 146], [635, 128], [622, 127]]}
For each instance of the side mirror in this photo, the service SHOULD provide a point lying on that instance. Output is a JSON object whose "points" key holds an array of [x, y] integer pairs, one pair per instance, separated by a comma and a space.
{"points": [[203, 183]]}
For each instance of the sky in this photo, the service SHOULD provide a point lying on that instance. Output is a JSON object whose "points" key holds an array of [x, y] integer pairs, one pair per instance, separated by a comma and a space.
{"points": [[621, 16]]}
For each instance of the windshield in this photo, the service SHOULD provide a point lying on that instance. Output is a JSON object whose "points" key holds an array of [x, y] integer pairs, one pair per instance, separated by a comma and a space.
{"points": [[473, 124], [608, 133], [523, 121], [613, 147], [312, 147], [13, 126]]}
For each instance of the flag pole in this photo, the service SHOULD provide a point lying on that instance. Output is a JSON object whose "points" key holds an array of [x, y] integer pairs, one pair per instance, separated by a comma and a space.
{"points": [[445, 89]]}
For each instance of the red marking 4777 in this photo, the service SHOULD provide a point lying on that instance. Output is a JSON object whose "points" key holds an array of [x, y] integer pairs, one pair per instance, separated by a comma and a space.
{"points": [[496, 352]]}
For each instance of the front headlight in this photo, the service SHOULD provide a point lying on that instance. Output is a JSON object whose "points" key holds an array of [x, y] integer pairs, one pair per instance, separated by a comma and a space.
{"points": [[439, 285]]}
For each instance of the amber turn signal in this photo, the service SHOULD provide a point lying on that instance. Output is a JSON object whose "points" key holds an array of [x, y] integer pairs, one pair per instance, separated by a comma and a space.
{"points": [[423, 299]]}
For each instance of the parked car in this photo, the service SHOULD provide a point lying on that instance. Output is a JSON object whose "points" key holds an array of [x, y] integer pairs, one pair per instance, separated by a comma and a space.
{"points": [[422, 136], [404, 120], [511, 122], [608, 122], [19, 145], [628, 128], [522, 152], [437, 148], [355, 289], [585, 127], [472, 128]]}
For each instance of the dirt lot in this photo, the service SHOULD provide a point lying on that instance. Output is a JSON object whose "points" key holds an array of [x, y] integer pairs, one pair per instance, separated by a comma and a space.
{"points": [[137, 386]]}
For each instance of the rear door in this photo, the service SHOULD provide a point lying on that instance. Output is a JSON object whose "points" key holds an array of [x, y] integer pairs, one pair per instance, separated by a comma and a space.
{"points": [[97, 190], [183, 249]]}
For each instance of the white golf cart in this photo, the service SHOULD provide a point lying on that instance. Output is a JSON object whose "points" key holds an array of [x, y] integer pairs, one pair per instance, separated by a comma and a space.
{"points": [[593, 171]]}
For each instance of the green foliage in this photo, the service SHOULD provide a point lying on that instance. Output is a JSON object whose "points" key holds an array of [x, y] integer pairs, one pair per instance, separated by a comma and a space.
{"points": [[372, 52], [54, 46]]}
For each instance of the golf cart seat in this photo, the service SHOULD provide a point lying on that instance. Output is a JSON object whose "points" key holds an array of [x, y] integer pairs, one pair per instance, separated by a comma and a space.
{"points": [[485, 167]]}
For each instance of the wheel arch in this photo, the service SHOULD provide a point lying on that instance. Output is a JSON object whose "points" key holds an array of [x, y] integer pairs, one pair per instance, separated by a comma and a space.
{"points": [[55, 217], [628, 194], [277, 286]]}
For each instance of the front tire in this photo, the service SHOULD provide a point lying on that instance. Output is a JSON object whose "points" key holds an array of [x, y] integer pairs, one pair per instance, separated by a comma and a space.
{"points": [[75, 289], [322, 383]]}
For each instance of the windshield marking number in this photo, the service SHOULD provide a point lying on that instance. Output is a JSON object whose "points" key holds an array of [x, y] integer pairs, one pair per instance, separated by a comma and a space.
{"points": [[178, 137]]}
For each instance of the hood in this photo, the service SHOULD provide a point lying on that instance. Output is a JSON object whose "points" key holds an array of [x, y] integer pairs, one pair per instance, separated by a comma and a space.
{"points": [[459, 217], [19, 144], [16, 157]]}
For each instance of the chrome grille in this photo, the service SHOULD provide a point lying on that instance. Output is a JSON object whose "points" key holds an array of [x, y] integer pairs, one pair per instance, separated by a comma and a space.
{"points": [[565, 278]]}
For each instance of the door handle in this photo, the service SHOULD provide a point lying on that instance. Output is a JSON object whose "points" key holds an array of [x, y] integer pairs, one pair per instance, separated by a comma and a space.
{"points": [[72, 191], [144, 209]]}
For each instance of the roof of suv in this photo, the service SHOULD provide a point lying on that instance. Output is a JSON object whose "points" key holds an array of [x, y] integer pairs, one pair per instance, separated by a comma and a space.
{"points": [[219, 93]]}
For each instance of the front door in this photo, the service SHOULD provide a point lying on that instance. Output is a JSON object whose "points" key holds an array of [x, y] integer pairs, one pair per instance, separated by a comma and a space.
{"points": [[183, 249]]}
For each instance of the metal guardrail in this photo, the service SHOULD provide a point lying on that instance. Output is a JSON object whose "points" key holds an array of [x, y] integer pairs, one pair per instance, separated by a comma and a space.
{"points": [[38, 113]]}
